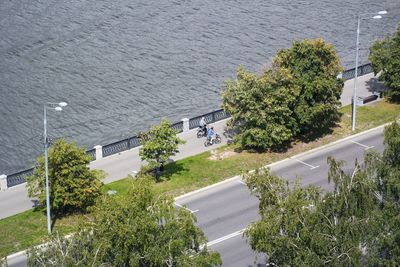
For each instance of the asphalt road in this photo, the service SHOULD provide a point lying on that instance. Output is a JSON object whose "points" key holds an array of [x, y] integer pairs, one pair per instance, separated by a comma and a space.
{"points": [[224, 210]]}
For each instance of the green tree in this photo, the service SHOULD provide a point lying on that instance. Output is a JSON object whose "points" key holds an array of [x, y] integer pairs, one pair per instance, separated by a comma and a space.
{"points": [[385, 59], [77, 250], [260, 106], [159, 144], [314, 67], [142, 229], [3, 262], [299, 94], [355, 224], [282, 232], [73, 186], [386, 169], [301, 227]]}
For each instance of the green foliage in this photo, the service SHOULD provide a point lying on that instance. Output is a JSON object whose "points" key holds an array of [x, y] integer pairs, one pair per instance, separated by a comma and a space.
{"points": [[385, 58], [60, 251], [73, 186], [356, 224], [298, 95], [142, 229], [3, 262], [314, 66], [159, 144], [261, 106], [282, 231]]}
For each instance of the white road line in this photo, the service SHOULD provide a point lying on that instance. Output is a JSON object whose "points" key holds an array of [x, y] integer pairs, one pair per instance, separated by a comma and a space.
{"points": [[221, 239], [191, 211], [240, 181], [309, 165], [366, 147]]}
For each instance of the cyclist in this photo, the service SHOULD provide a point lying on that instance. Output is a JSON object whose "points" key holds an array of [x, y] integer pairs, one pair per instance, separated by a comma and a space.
{"points": [[210, 134], [203, 125]]}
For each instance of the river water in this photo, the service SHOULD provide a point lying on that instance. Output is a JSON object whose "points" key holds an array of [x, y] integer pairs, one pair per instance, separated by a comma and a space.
{"points": [[123, 65]]}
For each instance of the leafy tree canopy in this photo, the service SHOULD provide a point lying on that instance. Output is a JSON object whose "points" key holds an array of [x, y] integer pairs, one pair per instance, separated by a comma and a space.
{"points": [[260, 105], [355, 224], [73, 186], [297, 95], [142, 229], [314, 66], [160, 144], [385, 58]]}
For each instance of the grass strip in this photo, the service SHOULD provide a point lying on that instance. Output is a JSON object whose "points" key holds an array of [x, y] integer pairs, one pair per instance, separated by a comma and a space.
{"points": [[27, 229]]}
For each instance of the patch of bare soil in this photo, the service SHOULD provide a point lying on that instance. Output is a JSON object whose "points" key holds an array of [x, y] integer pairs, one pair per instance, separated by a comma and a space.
{"points": [[215, 155]]}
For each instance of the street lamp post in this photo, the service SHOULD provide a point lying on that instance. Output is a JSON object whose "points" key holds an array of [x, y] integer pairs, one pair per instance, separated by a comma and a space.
{"points": [[57, 107], [354, 102]]}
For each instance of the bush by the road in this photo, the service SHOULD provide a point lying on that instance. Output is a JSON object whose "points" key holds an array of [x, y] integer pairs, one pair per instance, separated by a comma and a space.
{"points": [[298, 95]]}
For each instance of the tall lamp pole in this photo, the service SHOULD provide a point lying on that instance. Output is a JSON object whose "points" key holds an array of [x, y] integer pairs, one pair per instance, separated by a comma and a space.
{"points": [[354, 102], [57, 107]]}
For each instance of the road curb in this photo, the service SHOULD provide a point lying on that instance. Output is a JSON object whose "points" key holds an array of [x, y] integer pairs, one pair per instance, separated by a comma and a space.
{"points": [[341, 140], [15, 255], [237, 177], [208, 187]]}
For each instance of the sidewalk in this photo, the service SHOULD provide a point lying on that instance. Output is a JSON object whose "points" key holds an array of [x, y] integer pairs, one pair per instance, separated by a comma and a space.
{"points": [[366, 85], [118, 166]]}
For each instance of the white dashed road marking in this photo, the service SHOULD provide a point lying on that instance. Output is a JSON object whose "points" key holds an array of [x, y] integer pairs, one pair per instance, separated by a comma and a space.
{"points": [[366, 147], [221, 239], [191, 211], [240, 181], [309, 165]]}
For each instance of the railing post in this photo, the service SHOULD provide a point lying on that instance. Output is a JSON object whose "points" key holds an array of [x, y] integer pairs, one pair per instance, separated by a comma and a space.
{"points": [[185, 127], [99, 152], [3, 182]]}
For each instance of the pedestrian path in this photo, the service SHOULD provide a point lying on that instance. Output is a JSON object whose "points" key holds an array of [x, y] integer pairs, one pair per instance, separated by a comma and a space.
{"points": [[118, 166]]}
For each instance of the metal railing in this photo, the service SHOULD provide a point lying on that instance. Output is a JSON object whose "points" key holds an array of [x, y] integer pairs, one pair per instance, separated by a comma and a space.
{"points": [[19, 177], [120, 146], [178, 126], [92, 153], [211, 117], [362, 70], [132, 142]]}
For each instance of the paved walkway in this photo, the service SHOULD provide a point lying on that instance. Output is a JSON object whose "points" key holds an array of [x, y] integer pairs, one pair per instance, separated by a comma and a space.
{"points": [[118, 166]]}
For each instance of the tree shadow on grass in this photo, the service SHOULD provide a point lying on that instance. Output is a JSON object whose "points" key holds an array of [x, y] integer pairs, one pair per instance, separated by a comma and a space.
{"points": [[312, 136], [171, 168], [316, 134]]}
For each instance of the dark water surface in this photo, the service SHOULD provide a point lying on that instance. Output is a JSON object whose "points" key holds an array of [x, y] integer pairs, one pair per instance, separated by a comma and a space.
{"points": [[123, 65]]}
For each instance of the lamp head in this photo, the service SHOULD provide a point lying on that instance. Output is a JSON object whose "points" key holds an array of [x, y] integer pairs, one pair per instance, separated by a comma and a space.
{"points": [[62, 104], [377, 17], [383, 12], [58, 108]]}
